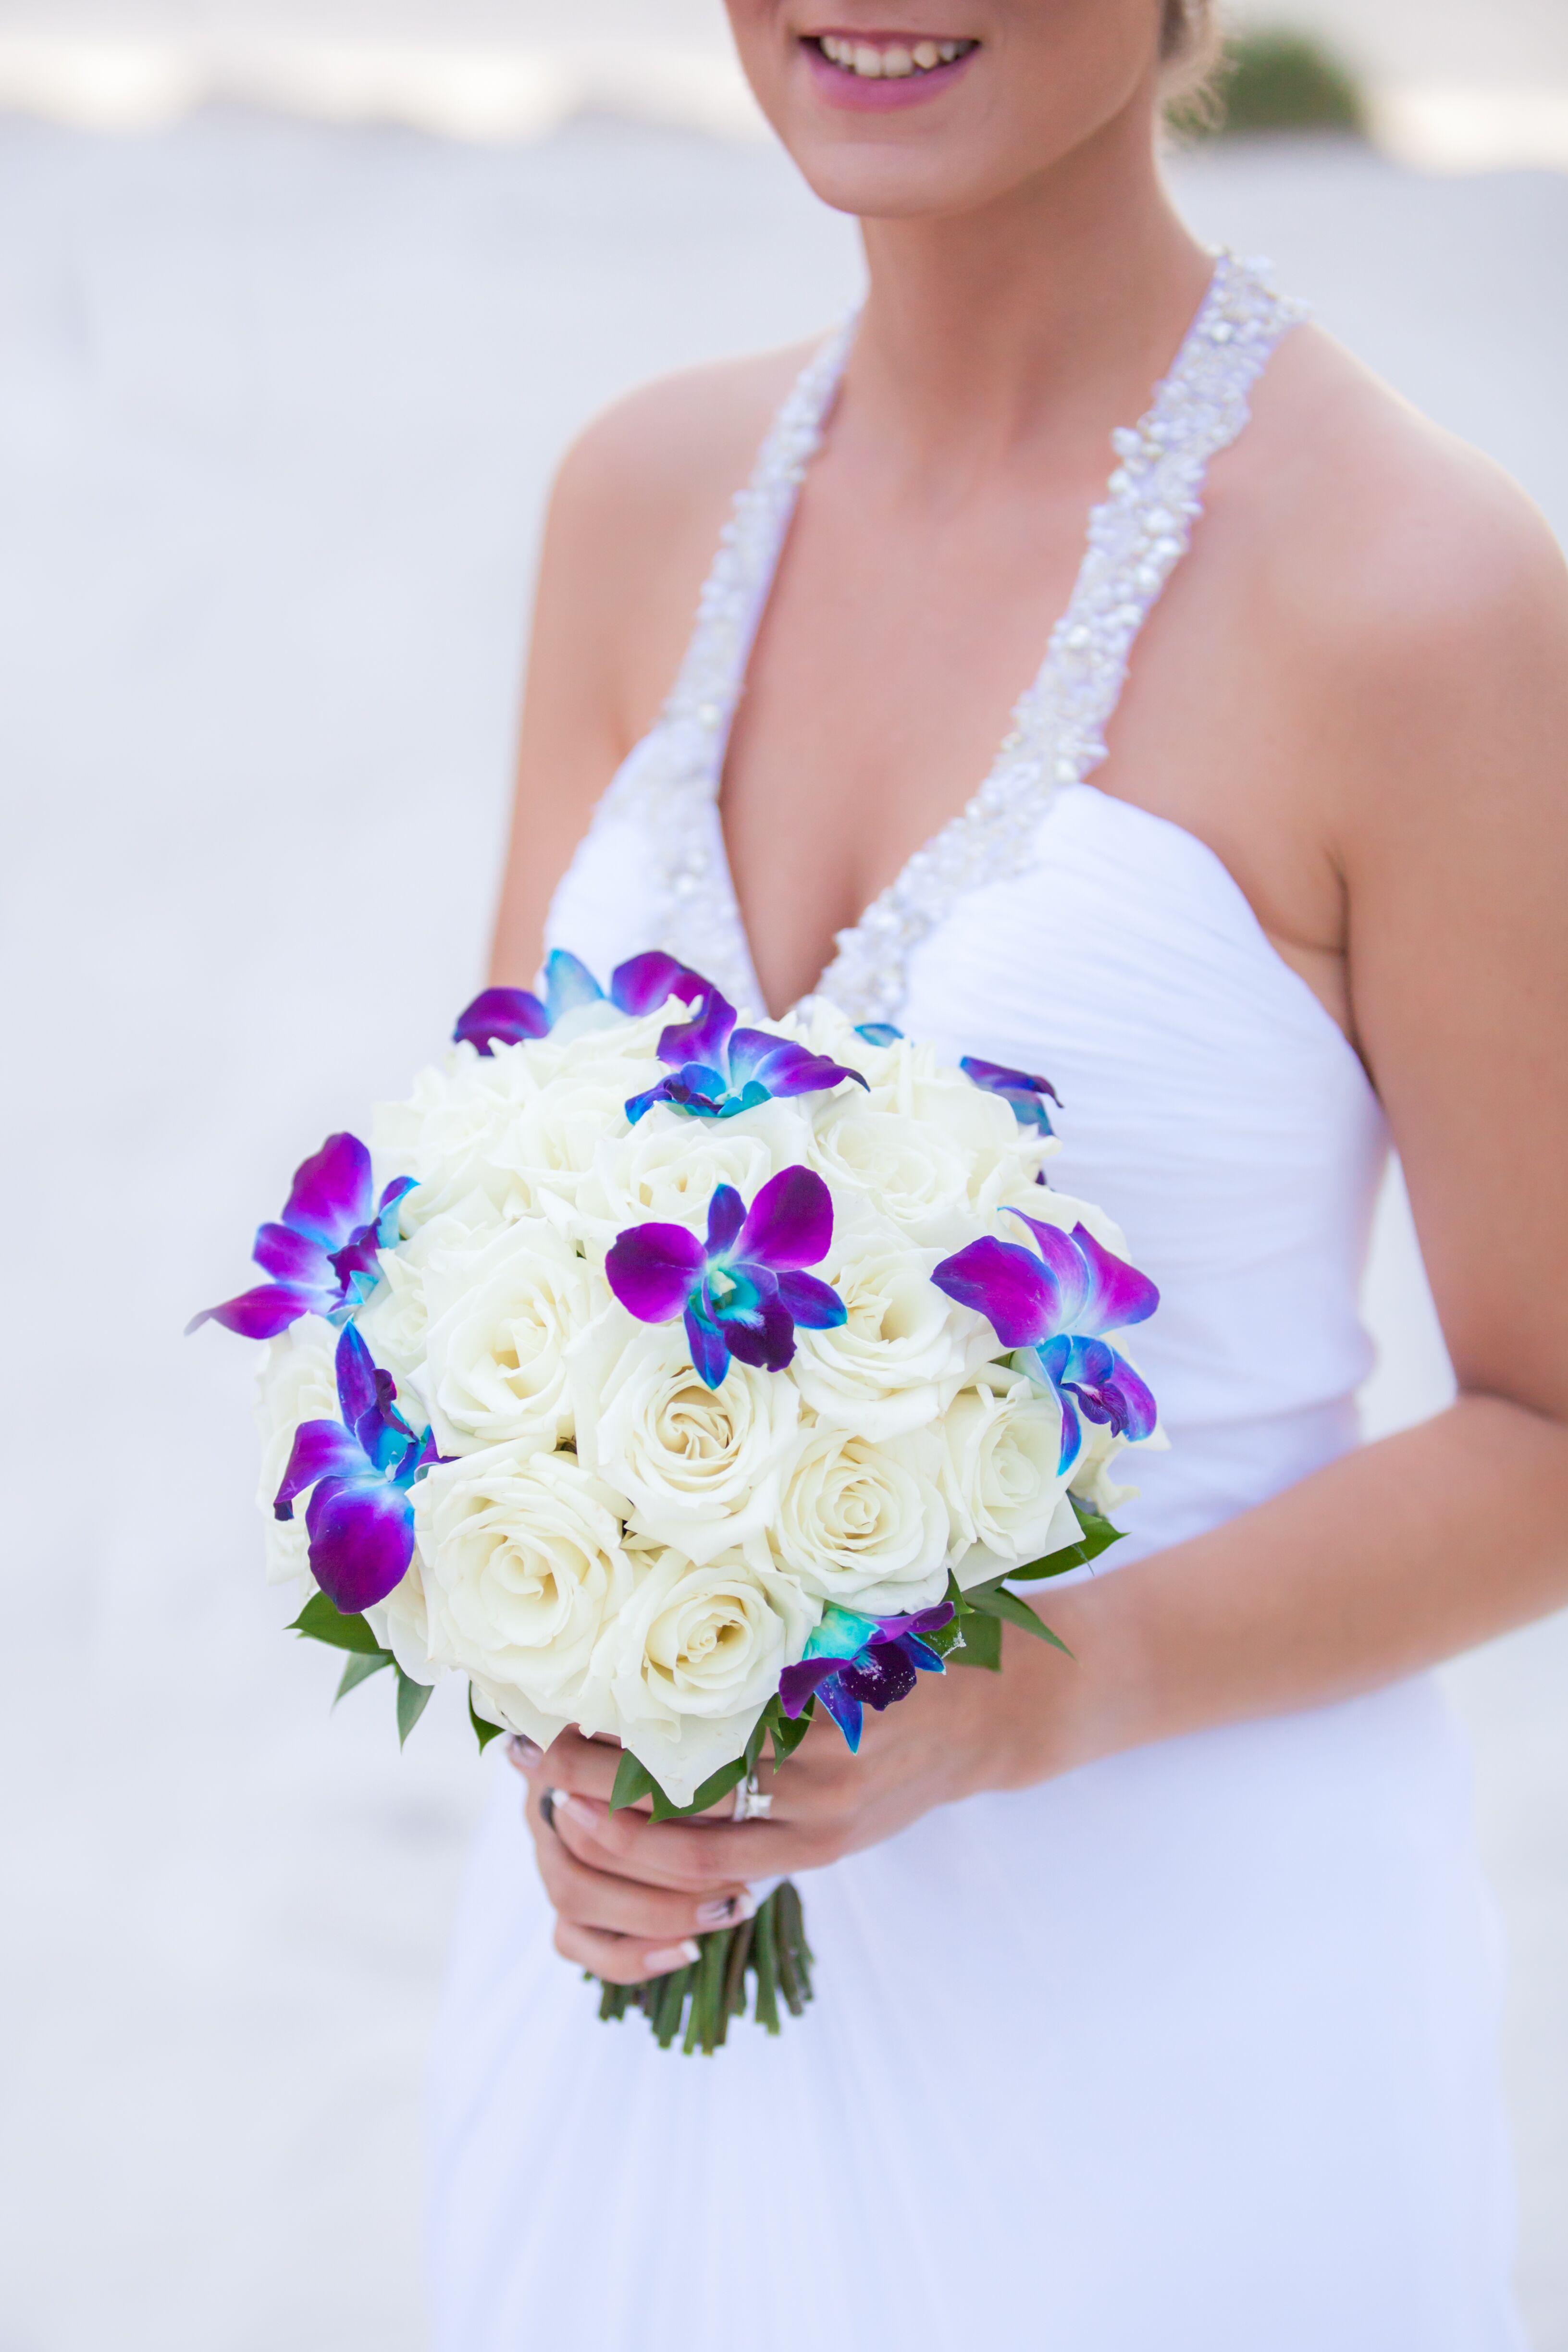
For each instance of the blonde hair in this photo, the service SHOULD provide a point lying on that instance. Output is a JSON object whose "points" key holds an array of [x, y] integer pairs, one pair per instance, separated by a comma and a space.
{"points": [[1190, 43]]}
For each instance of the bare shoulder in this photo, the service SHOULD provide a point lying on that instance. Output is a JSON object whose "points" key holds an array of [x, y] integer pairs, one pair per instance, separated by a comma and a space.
{"points": [[638, 502], [1411, 589]]}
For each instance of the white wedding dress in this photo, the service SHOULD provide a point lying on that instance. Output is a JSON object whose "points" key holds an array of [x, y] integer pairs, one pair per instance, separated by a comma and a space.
{"points": [[1191, 2050]]}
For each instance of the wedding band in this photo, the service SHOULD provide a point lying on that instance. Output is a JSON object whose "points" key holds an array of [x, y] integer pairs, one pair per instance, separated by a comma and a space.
{"points": [[750, 1804]]}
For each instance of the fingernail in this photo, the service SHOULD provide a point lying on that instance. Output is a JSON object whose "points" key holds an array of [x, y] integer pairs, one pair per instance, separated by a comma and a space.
{"points": [[677, 1956], [523, 1752], [576, 1809], [725, 1914]]}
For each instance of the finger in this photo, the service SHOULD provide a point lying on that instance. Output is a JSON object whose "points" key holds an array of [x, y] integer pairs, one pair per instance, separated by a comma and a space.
{"points": [[621, 1906], [621, 1959], [585, 1766], [674, 1853]]}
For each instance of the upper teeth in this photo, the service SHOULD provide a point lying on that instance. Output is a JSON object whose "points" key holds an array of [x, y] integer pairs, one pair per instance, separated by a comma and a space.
{"points": [[889, 64]]}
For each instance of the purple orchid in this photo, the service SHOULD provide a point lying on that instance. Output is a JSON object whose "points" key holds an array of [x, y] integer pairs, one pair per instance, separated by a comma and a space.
{"points": [[717, 1070], [742, 1291], [323, 1257], [359, 1517], [1027, 1095], [505, 1017], [853, 1662], [1060, 1304]]}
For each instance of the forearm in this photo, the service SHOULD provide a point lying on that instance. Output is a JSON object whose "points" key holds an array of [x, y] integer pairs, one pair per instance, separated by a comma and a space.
{"points": [[1397, 1556]]}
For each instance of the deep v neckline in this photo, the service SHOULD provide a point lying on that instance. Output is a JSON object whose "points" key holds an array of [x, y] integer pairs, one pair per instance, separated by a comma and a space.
{"points": [[1135, 537]]}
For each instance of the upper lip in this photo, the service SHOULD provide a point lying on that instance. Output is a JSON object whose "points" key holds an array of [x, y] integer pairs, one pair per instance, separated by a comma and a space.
{"points": [[879, 37]]}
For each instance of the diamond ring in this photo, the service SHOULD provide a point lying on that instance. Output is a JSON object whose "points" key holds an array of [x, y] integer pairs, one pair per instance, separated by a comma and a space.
{"points": [[750, 1804]]}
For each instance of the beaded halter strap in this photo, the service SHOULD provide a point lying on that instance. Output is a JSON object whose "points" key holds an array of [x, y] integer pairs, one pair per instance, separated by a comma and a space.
{"points": [[1136, 536]]}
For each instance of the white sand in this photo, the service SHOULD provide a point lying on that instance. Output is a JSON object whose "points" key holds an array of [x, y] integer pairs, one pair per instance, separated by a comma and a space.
{"points": [[275, 410]]}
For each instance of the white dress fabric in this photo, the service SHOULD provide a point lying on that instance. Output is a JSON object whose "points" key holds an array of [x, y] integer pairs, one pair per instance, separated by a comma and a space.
{"points": [[1190, 2051]]}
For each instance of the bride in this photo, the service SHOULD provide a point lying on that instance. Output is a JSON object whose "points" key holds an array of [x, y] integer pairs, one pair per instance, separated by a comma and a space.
{"points": [[1158, 1994]]}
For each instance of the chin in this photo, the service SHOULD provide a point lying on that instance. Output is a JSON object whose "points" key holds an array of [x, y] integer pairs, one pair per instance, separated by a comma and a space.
{"points": [[917, 117]]}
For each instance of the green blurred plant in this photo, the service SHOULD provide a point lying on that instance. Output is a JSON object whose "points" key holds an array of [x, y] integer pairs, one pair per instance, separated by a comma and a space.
{"points": [[1273, 80]]}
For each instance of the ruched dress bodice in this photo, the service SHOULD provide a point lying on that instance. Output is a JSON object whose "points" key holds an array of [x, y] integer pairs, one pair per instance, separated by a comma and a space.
{"points": [[1192, 2047]]}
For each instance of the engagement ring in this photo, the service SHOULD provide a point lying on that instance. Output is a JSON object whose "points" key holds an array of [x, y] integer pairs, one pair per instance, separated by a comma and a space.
{"points": [[751, 1804]]}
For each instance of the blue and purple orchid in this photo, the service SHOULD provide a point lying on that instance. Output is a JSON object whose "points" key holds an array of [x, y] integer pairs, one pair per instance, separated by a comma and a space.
{"points": [[507, 1016], [1059, 1304], [717, 1070], [852, 1662], [1027, 1095], [359, 1517], [322, 1255], [743, 1291]]}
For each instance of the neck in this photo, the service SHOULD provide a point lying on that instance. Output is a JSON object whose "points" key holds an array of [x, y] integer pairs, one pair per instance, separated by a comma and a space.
{"points": [[1037, 312]]}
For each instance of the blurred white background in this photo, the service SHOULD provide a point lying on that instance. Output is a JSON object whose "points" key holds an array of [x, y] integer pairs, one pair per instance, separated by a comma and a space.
{"points": [[278, 407]]}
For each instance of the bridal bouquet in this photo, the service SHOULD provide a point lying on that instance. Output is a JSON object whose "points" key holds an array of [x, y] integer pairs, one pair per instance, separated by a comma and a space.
{"points": [[678, 1380]]}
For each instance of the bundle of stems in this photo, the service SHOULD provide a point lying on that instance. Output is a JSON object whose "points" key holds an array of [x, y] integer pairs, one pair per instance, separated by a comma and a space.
{"points": [[771, 1948]]}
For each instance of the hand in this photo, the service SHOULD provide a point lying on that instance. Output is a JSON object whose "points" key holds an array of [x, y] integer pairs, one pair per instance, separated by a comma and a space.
{"points": [[631, 1894]]}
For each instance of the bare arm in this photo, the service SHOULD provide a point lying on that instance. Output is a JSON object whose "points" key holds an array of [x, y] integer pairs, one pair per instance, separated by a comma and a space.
{"points": [[1449, 748]]}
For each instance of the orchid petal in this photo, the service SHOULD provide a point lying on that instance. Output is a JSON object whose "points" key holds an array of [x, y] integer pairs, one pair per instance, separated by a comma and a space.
{"points": [[877, 1032], [879, 1676], [1118, 1294], [924, 1621], [321, 1449], [703, 1038], [1018, 1088], [1006, 1284], [653, 1269], [726, 1215], [815, 1306], [644, 982], [356, 1375], [264, 1312], [568, 985], [293, 1257], [921, 1655], [500, 1016], [1054, 1357], [386, 1220], [1067, 1268], [765, 1339], [709, 1349], [796, 1684], [758, 1057], [361, 1540], [1107, 1388], [844, 1709], [789, 1223], [330, 1196]]}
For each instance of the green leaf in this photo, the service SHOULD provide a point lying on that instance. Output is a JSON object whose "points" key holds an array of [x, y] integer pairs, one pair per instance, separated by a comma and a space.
{"points": [[360, 1669], [1098, 1536], [789, 1730], [319, 1621], [633, 1781], [712, 1788], [999, 1604], [484, 1731], [982, 1642], [413, 1699]]}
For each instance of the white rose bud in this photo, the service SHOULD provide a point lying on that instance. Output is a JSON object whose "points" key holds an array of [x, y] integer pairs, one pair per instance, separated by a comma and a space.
{"points": [[501, 1318], [692, 1658], [864, 1525], [523, 1567], [296, 1382], [699, 1467]]}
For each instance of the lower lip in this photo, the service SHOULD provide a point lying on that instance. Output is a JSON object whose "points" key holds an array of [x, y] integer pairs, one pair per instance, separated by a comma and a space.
{"points": [[859, 94]]}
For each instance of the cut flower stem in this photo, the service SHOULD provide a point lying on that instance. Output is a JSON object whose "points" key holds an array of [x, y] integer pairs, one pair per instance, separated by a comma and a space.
{"points": [[771, 1948]]}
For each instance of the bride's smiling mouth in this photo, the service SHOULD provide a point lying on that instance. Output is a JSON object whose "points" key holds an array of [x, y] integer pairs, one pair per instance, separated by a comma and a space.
{"points": [[874, 71]]}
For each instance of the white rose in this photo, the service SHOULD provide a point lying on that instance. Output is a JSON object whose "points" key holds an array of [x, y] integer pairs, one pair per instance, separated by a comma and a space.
{"points": [[522, 1566], [401, 1623], [1003, 1440], [689, 1662], [665, 1169], [864, 1525], [699, 1467], [520, 1124], [928, 1145], [500, 1318], [1049, 1207], [393, 1319], [904, 1350], [296, 1382]]}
